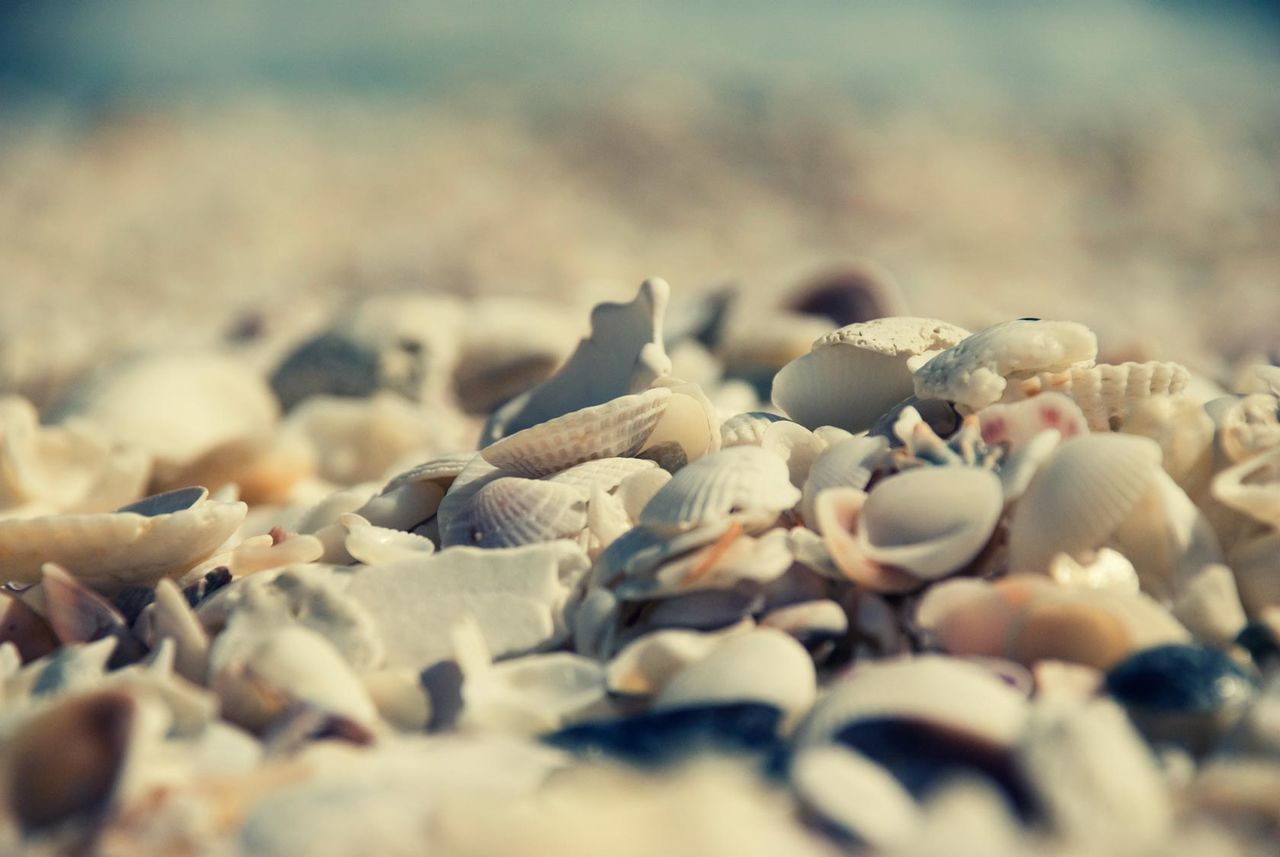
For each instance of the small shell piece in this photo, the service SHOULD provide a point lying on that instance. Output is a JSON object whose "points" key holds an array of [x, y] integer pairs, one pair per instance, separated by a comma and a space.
{"points": [[512, 511], [1014, 425], [856, 373], [1106, 393], [745, 483], [156, 537], [847, 463], [617, 428], [1079, 497], [1249, 425], [974, 372]]}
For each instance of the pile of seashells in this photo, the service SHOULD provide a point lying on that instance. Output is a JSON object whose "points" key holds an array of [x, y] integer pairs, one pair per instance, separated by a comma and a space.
{"points": [[949, 592]]}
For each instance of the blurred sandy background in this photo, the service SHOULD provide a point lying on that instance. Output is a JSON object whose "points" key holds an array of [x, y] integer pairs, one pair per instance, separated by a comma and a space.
{"points": [[169, 171]]}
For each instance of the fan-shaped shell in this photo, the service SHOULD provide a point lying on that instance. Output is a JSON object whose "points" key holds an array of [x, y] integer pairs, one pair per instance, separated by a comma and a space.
{"points": [[1079, 497], [1106, 393], [156, 537], [606, 473], [512, 511], [746, 429], [745, 482], [974, 372], [847, 463], [617, 428], [930, 521]]}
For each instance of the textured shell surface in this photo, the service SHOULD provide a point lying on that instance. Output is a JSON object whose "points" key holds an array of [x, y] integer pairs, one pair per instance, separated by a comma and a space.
{"points": [[617, 428], [153, 538], [1079, 497], [606, 473], [623, 355], [930, 521], [746, 429], [896, 336], [974, 372], [848, 463], [512, 511], [441, 470], [743, 481], [1106, 393]]}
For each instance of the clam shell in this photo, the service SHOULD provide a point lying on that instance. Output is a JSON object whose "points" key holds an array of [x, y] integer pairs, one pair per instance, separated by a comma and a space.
{"points": [[930, 521], [731, 558], [837, 512], [156, 537], [974, 372], [617, 428], [795, 445], [1079, 497], [855, 374], [623, 355], [645, 665], [1185, 434], [746, 429], [1106, 393], [511, 511], [847, 463], [606, 473], [688, 429], [744, 482]]}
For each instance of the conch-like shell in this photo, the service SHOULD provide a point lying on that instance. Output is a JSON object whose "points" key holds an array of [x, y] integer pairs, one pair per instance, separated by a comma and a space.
{"points": [[743, 482], [856, 373], [975, 372], [1106, 393], [617, 428], [156, 537]]}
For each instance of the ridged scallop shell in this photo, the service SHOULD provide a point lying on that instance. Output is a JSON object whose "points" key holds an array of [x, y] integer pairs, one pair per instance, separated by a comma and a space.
{"points": [[932, 520], [855, 374], [1252, 487], [137, 545], [623, 355], [1079, 497], [1106, 393], [974, 373], [441, 470], [847, 463], [745, 482], [606, 473], [746, 429], [617, 428], [512, 511]]}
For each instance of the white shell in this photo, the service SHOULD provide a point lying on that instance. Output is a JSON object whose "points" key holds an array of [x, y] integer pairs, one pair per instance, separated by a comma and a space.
{"points": [[1015, 424], [733, 557], [688, 429], [617, 428], [930, 521], [795, 445], [532, 694], [1185, 434], [746, 429], [605, 473], [1252, 487], [1248, 425], [645, 665], [512, 511], [372, 545], [156, 537], [623, 355], [1105, 393], [1079, 497], [847, 463], [1209, 605], [860, 797], [744, 482], [974, 372], [855, 374]]}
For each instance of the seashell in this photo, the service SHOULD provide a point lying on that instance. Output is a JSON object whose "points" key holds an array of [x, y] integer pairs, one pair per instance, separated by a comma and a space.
{"points": [[813, 623], [373, 545], [1107, 394], [400, 698], [930, 521], [1185, 434], [607, 473], [1209, 605], [264, 469], [1106, 569], [1095, 778], [593, 623], [921, 445], [175, 406], [975, 372], [841, 555], [171, 618], [617, 428], [516, 595], [662, 737], [857, 796], [795, 445], [847, 463], [746, 483], [1252, 487], [847, 293], [1248, 425], [731, 558], [25, 629], [1189, 695], [259, 553], [1018, 468], [67, 762], [156, 537], [637, 490], [855, 374], [640, 550], [78, 615], [689, 427], [645, 665], [607, 521], [746, 429], [512, 511], [623, 355], [758, 344], [763, 665], [1079, 497], [938, 415], [519, 345], [1016, 424]]}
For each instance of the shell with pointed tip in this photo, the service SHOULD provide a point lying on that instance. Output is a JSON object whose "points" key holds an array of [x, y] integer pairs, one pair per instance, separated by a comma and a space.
{"points": [[930, 521], [847, 463], [623, 355], [1079, 497], [745, 482], [617, 428], [974, 372], [856, 373], [1252, 487], [1106, 393], [156, 537], [512, 511]]}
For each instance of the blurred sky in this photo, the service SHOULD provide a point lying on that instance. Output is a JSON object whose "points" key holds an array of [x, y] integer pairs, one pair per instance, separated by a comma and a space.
{"points": [[1060, 55]]}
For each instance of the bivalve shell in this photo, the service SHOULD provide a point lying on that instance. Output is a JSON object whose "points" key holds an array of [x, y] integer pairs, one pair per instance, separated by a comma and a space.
{"points": [[743, 482], [511, 511]]}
